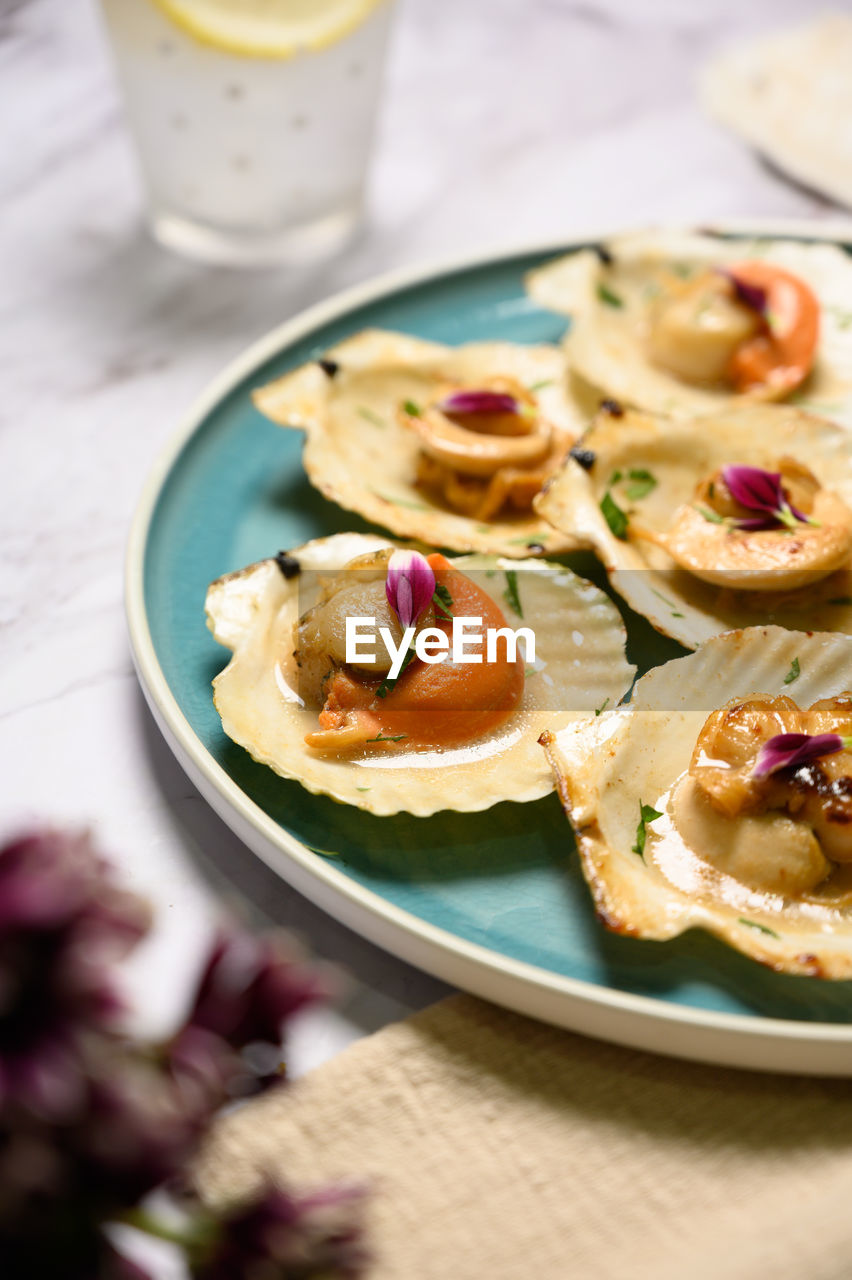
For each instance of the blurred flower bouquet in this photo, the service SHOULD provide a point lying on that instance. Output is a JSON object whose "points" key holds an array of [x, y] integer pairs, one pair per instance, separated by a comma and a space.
{"points": [[92, 1121]]}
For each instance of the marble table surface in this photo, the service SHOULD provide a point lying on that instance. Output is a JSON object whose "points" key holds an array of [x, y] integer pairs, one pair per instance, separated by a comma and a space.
{"points": [[502, 121]]}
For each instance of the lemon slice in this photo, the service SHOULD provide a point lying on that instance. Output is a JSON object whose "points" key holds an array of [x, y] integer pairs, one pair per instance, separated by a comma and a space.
{"points": [[267, 28]]}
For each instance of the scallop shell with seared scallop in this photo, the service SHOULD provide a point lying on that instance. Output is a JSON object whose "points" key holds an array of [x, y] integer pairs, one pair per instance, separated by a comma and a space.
{"points": [[366, 452], [579, 665], [621, 345], [660, 861], [638, 492]]}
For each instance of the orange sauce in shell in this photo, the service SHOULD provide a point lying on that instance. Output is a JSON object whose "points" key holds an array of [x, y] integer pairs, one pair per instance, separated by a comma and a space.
{"points": [[444, 704]]}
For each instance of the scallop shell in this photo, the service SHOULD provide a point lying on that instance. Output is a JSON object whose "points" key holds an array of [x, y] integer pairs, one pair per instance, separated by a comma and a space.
{"points": [[784, 94], [358, 455], [679, 453], [605, 345], [580, 664], [607, 766]]}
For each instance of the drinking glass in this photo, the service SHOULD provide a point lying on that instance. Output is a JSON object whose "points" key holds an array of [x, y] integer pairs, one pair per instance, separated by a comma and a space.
{"points": [[251, 154]]}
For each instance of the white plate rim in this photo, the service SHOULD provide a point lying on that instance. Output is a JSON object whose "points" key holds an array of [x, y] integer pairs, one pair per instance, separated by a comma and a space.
{"points": [[636, 1021]]}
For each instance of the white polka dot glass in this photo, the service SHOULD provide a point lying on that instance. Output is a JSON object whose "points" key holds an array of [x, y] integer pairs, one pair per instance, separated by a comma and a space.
{"points": [[249, 159]]}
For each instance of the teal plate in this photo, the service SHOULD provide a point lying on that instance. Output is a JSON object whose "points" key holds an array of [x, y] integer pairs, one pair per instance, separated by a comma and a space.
{"points": [[493, 902]]}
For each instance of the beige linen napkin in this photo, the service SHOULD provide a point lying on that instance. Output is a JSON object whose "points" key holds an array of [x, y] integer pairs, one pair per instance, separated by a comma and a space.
{"points": [[502, 1149]]}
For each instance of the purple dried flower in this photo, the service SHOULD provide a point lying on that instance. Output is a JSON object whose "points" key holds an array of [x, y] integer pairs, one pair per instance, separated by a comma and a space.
{"points": [[761, 491], [410, 586], [62, 923], [249, 987], [141, 1124], [752, 295], [311, 1237], [792, 750], [460, 403]]}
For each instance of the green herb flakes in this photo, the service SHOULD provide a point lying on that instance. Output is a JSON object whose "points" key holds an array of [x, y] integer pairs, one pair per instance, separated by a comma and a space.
{"points": [[400, 502], [647, 813], [411, 408], [761, 928], [642, 483], [671, 604], [443, 600], [510, 595], [614, 516], [370, 416], [606, 295], [599, 710], [794, 672], [388, 683]]}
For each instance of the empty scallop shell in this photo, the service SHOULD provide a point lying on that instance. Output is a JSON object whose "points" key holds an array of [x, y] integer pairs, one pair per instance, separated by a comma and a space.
{"points": [[579, 665], [608, 301], [359, 456], [678, 454], [607, 766]]}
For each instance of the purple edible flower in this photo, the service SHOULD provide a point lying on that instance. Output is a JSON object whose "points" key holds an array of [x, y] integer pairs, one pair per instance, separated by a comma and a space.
{"points": [[248, 990], [282, 1235], [410, 586], [464, 402], [759, 490], [63, 922], [792, 750], [752, 295]]}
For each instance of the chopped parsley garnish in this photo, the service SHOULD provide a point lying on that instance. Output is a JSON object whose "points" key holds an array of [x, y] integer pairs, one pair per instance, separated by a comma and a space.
{"points": [[606, 295], [842, 316], [363, 788], [388, 684], [369, 415], [670, 603], [794, 672], [510, 595], [443, 600], [400, 502], [398, 737], [602, 707], [614, 516], [647, 813], [529, 671], [643, 482], [761, 928], [411, 408]]}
